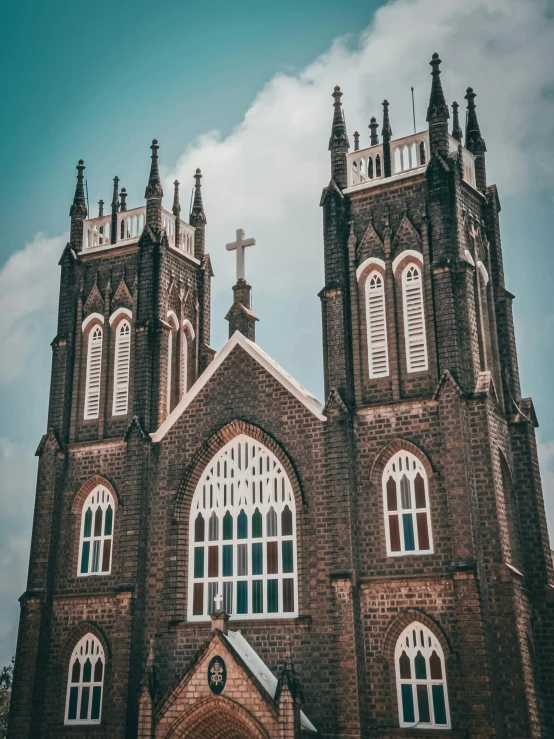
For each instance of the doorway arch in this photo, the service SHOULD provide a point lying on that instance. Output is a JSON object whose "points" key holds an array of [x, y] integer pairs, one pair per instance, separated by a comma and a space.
{"points": [[217, 718]]}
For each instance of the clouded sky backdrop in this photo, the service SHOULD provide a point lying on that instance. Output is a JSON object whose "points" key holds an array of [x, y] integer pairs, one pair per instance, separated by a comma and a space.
{"points": [[243, 90]]}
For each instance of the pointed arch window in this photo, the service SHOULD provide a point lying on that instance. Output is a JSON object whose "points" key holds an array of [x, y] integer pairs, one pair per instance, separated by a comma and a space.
{"points": [[406, 503], [172, 362], [97, 525], [421, 679], [121, 368], [376, 326], [242, 551], [187, 336], [414, 319], [94, 373], [85, 682]]}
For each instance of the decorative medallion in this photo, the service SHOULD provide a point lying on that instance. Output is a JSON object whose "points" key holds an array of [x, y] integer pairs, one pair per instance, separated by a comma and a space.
{"points": [[217, 675]]}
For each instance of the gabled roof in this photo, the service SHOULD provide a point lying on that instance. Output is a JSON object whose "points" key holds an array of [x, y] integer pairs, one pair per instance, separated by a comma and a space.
{"points": [[237, 339]]}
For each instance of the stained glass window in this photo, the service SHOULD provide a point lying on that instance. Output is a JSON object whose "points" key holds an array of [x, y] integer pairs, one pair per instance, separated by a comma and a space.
{"points": [[421, 679], [406, 501], [97, 520], [245, 503], [85, 682]]}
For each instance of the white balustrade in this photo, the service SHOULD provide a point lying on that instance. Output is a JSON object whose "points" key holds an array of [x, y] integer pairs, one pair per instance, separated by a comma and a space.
{"points": [[130, 225], [409, 152]]}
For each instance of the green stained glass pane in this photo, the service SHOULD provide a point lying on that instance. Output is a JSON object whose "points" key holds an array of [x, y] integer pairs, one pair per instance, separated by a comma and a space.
{"points": [[242, 526], [439, 704], [256, 524], [72, 709], [199, 562], [420, 668], [257, 559], [288, 595], [227, 560], [423, 704], [242, 597], [87, 671], [85, 696], [96, 700], [108, 521], [85, 557], [272, 596], [409, 541], [257, 596], [287, 556], [88, 523], [227, 526], [408, 714]]}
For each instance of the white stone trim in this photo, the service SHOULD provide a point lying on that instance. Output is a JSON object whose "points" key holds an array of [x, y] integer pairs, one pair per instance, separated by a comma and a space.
{"points": [[120, 312], [89, 319], [308, 400], [171, 315], [375, 261], [187, 326], [469, 259], [412, 253], [483, 270]]}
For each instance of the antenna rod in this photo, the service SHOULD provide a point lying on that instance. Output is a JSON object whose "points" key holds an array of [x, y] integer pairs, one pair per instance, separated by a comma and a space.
{"points": [[413, 108]]}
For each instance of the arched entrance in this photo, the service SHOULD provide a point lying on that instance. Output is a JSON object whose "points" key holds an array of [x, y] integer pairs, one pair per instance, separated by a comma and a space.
{"points": [[217, 718]]}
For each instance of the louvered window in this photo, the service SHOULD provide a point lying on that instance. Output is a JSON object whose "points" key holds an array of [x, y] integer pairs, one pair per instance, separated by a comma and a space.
{"points": [[376, 327], [414, 319], [121, 369], [94, 373]]}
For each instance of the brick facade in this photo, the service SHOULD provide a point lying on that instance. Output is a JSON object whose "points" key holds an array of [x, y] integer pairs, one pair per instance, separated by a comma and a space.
{"points": [[485, 591]]}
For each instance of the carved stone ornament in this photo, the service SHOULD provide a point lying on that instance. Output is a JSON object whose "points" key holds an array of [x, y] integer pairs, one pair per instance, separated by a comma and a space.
{"points": [[217, 675]]}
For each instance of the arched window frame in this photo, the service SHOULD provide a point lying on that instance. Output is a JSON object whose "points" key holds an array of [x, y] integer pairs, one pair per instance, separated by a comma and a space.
{"points": [[187, 337], [226, 487], [83, 703], [421, 679], [407, 521], [376, 324], [415, 334], [93, 329], [96, 549], [122, 364], [172, 358]]}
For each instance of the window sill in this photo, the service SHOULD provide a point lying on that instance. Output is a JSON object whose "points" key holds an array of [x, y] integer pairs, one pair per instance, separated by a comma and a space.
{"points": [[420, 733]]}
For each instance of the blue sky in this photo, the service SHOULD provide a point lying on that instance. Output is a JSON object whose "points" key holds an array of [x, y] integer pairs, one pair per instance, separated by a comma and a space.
{"points": [[243, 90]]}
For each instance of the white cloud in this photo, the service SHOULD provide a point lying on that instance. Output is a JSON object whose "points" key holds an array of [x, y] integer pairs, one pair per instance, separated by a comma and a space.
{"points": [[546, 462], [29, 283]]}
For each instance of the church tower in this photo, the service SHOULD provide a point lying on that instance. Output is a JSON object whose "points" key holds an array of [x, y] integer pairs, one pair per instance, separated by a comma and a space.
{"points": [[218, 555]]}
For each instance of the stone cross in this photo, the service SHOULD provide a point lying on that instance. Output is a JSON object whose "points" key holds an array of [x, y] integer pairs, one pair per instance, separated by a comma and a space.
{"points": [[218, 601], [240, 245]]}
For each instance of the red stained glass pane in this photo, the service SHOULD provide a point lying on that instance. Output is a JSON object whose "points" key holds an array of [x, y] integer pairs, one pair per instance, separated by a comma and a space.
{"points": [[394, 531], [106, 555], [98, 670], [288, 596], [198, 599], [423, 704], [272, 558], [419, 486], [422, 530], [199, 528], [391, 494], [405, 669], [76, 671], [213, 561], [286, 522], [98, 522], [435, 667]]}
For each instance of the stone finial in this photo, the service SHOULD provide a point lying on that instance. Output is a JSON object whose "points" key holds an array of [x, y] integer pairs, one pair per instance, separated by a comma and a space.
{"points": [[373, 126], [475, 142], [197, 204], [176, 209], [154, 192], [79, 207], [437, 111], [123, 196], [456, 128], [338, 129], [115, 209], [386, 131], [220, 620], [100, 208], [356, 141]]}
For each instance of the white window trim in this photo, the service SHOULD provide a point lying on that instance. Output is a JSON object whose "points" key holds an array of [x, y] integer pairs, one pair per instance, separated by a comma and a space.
{"points": [[370, 344], [408, 460], [412, 254], [94, 500], [95, 412], [370, 262], [120, 312], [483, 270], [408, 340], [249, 507], [426, 651], [120, 387], [187, 335], [174, 324], [90, 318], [77, 654]]}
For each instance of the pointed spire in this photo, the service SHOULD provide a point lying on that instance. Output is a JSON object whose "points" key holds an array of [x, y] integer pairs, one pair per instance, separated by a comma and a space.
{"points": [[437, 112], [79, 207], [373, 126], [115, 209], [123, 207], [176, 204], [338, 142], [475, 142], [197, 204], [154, 192], [197, 217], [100, 208], [456, 128], [356, 141]]}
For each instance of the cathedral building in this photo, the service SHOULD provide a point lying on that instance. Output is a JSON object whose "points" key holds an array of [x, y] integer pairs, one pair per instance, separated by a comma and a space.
{"points": [[218, 555]]}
